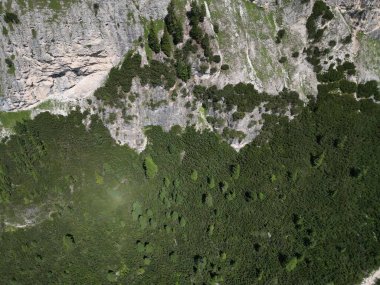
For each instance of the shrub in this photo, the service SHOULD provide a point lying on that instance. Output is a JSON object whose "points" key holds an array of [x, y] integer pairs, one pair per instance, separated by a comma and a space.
{"points": [[34, 33], [347, 39], [368, 89], [211, 182], [332, 43], [347, 86], [9, 62], [318, 35], [194, 175], [150, 167], [238, 115], [213, 70], [283, 59], [216, 28], [96, 8], [347, 66], [203, 68], [225, 67], [292, 264], [235, 171], [331, 75], [295, 54], [216, 58], [280, 35], [11, 18], [183, 70], [208, 200], [10, 65]]}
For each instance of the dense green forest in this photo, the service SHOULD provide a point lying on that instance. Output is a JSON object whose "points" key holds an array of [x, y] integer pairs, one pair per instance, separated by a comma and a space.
{"points": [[301, 208]]}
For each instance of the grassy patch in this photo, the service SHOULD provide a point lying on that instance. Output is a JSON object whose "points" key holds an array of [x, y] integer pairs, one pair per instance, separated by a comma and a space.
{"points": [[9, 119]]}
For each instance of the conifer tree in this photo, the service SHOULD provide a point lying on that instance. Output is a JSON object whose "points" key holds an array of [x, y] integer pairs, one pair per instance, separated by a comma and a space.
{"points": [[153, 40], [196, 34], [205, 43], [166, 43], [173, 24], [203, 13]]}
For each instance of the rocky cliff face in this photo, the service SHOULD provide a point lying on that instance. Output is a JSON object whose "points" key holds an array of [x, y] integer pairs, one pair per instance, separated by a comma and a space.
{"points": [[69, 54]]}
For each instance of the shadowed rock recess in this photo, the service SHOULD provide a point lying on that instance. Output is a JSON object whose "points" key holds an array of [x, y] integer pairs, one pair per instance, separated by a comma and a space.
{"points": [[190, 142]]}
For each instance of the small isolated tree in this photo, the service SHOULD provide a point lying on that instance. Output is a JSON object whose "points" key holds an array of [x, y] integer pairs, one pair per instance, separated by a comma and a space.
{"points": [[174, 216], [147, 260], [194, 175], [143, 221], [68, 242], [148, 247], [173, 24], [171, 17], [166, 43], [216, 58], [203, 13], [150, 167], [210, 229], [224, 186], [235, 171], [205, 43], [292, 264], [317, 161], [178, 33], [183, 70], [140, 247], [225, 67], [182, 222], [173, 257], [208, 200], [11, 18], [231, 195], [211, 182], [166, 182], [153, 41]]}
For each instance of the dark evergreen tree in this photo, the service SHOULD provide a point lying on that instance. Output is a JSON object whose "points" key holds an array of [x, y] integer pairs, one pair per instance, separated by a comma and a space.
{"points": [[173, 24], [166, 43], [183, 70], [203, 13], [205, 43], [178, 33], [153, 40], [171, 18], [195, 14], [196, 34]]}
